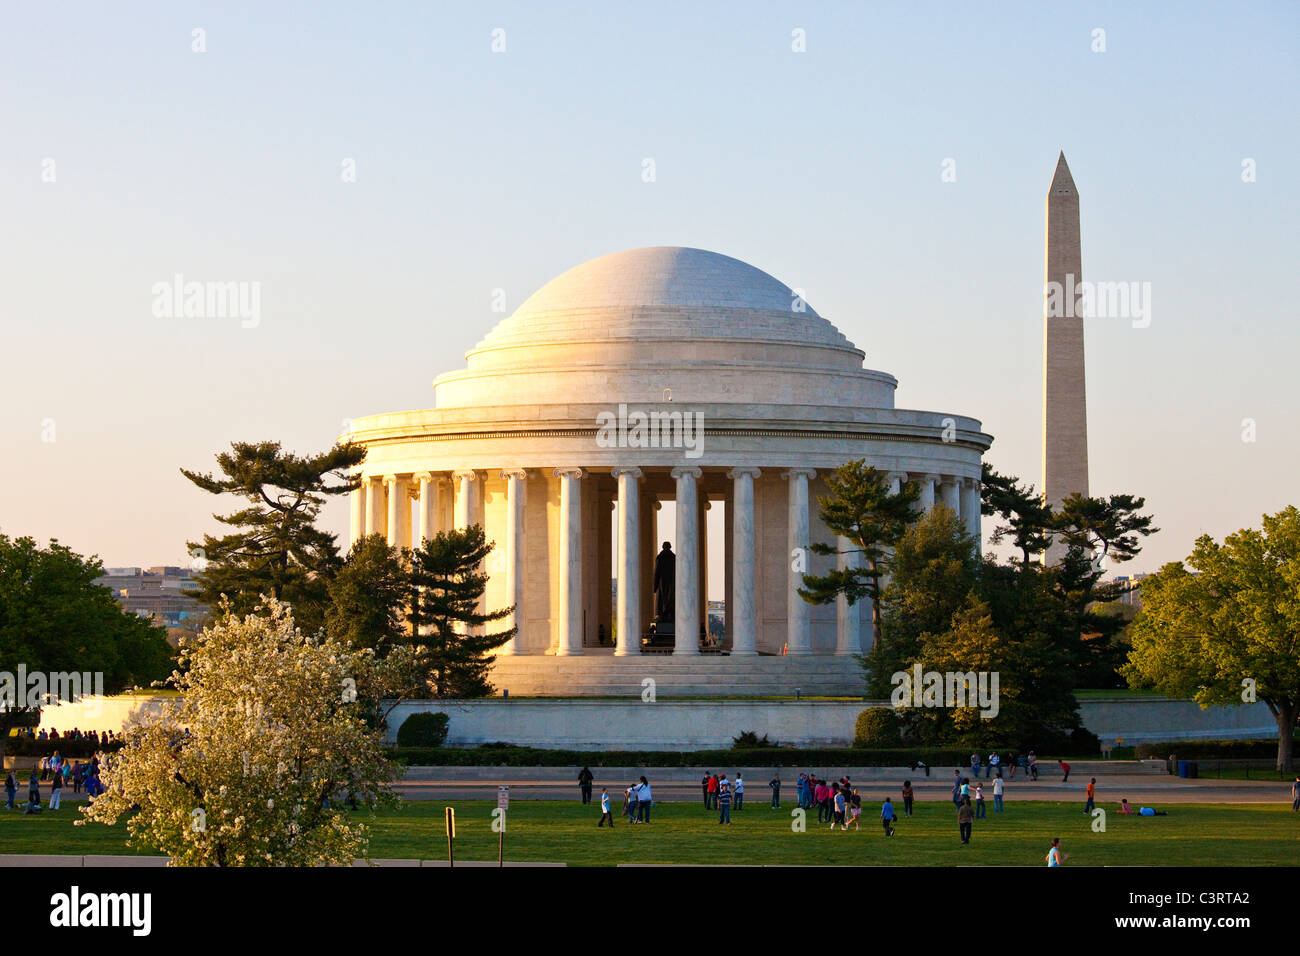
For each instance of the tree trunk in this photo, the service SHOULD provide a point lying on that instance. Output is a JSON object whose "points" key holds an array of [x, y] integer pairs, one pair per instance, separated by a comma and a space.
{"points": [[1285, 713]]}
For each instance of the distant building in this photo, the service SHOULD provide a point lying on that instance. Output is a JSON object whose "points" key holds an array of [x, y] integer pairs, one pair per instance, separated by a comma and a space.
{"points": [[155, 593], [1132, 595]]}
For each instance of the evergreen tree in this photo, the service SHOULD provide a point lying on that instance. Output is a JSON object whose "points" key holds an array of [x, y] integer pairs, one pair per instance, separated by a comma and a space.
{"points": [[277, 550], [448, 584], [860, 508], [369, 596], [933, 570]]}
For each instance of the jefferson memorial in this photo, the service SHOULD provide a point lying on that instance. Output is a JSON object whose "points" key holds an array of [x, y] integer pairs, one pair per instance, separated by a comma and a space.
{"points": [[638, 379]]}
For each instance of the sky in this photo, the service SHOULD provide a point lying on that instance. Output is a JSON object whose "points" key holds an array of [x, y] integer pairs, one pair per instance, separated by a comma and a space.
{"points": [[379, 170]]}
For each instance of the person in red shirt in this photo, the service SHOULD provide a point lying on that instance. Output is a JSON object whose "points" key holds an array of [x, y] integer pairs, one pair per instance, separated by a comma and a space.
{"points": [[713, 791], [1066, 767]]}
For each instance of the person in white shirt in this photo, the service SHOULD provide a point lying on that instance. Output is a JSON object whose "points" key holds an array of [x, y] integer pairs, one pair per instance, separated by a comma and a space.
{"points": [[997, 794], [995, 760], [739, 792]]}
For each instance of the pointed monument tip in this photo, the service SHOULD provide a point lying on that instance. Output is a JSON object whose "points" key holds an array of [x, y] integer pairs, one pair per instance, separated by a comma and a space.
{"points": [[1061, 179]]}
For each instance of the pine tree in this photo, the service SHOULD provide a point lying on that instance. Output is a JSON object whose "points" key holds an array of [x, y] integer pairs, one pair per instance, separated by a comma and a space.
{"points": [[448, 584], [277, 550], [860, 508]]}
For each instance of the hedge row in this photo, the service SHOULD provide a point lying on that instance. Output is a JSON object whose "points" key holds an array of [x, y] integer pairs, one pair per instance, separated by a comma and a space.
{"points": [[493, 756], [1209, 749]]}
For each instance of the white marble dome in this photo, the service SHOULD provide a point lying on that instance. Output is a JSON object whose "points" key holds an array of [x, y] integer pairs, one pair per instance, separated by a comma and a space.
{"points": [[631, 324]]}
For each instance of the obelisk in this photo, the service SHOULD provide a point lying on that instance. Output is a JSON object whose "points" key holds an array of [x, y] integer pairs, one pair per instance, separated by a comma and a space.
{"points": [[1065, 406]]}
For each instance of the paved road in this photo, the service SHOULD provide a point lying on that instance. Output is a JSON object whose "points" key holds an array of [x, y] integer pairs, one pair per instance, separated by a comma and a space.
{"points": [[1139, 789]]}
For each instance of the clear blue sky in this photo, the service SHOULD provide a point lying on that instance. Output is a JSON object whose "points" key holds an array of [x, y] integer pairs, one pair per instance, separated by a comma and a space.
{"points": [[479, 170]]}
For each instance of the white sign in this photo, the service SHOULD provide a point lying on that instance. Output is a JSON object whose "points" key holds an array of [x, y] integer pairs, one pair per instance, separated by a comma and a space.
{"points": [[503, 798]]}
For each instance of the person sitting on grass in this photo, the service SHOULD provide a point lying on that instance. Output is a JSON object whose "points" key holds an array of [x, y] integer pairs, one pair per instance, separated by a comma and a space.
{"points": [[1124, 807]]}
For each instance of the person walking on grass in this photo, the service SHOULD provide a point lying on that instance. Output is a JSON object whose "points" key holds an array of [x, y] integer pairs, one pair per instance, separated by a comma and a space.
{"points": [[907, 798], [604, 809], [33, 792], [981, 812], [840, 805], [629, 804], [997, 794], [1054, 856], [704, 790], [724, 801], [1091, 793], [956, 788], [965, 819], [887, 817], [739, 791], [56, 789], [775, 784], [713, 792], [584, 784], [855, 810]]}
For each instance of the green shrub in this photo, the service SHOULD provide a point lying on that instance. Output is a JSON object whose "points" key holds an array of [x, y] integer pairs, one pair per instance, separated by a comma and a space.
{"points": [[876, 727], [423, 730]]}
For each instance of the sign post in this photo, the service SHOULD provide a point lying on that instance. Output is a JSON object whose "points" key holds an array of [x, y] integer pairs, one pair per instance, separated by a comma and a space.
{"points": [[503, 804], [451, 835]]}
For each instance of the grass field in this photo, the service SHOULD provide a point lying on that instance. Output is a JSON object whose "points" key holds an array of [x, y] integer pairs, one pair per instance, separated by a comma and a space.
{"points": [[1192, 835]]}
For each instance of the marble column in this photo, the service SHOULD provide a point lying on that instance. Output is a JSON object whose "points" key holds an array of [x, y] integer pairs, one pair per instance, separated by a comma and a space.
{"points": [[377, 512], [970, 513], [896, 481], [628, 630], [570, 561], [427, 508], [399, 511], [515, 551], [649, 549], [926, 501], [358, 525], [950, 491], [742, 619], [702, 536], [466, 498], [686, 622], [798, 612], [848, 617]]}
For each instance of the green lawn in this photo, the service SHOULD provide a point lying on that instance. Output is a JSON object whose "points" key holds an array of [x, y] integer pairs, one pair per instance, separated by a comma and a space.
{"points": [[1192, 835]]}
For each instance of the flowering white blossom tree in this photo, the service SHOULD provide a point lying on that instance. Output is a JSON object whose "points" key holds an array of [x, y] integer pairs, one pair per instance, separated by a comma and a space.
{"points": [[261, 758]]}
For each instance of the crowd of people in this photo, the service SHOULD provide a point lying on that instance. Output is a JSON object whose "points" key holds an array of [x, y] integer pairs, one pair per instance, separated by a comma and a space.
{"points": [[96, 737], [839, 804], [78, 774]]}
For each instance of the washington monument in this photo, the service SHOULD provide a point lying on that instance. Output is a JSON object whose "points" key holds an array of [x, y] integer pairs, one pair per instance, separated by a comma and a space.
{"points": [[1065, 405]]}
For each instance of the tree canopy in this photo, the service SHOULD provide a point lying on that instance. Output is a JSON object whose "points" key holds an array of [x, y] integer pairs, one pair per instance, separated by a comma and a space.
{"points": [[1225, 629], [276, 548]]}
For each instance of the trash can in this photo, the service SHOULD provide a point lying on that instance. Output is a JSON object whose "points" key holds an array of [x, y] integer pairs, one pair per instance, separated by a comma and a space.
{"points": [[1187, 768]]}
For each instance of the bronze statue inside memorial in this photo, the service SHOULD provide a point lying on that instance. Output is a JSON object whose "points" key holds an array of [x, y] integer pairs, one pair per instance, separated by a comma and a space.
{"points": [[665, 582]]}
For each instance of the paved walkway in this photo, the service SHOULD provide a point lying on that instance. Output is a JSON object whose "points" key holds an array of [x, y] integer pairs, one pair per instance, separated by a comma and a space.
{"points": [[1139, 789]]}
